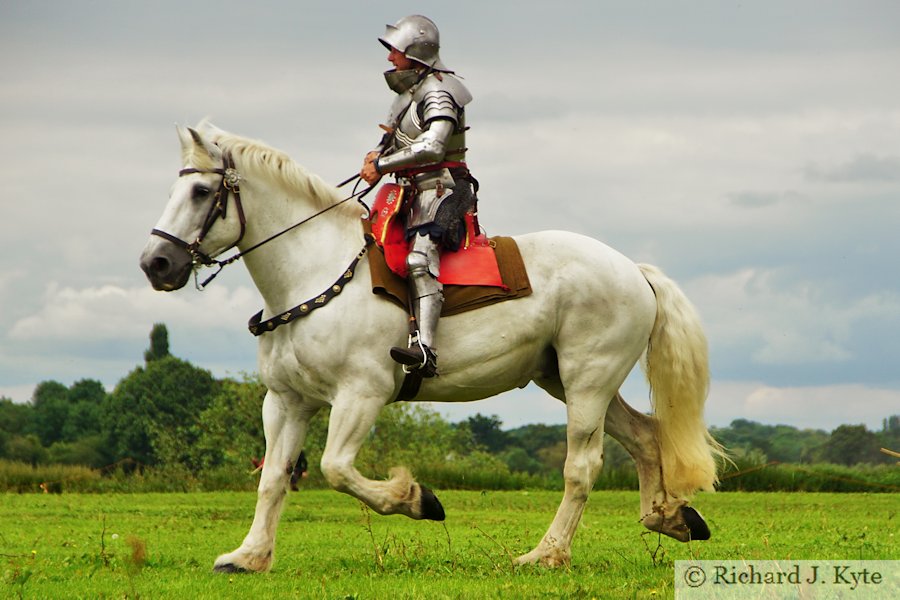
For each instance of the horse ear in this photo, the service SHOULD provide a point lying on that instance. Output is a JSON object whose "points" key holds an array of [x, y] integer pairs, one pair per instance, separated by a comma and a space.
{"points": [[184, 137], [214, 152]]}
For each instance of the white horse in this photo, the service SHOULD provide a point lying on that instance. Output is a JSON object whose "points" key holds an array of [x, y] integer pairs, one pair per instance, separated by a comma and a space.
{"points": [[577, 336]]}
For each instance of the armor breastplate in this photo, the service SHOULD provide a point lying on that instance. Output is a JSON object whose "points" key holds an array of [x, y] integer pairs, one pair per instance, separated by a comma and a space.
{"points": [[427, 129], [437, 96], [411, 127]]}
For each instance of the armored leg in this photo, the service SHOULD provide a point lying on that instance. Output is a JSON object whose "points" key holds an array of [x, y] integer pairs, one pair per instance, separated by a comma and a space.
{"points": [[423, 263]]}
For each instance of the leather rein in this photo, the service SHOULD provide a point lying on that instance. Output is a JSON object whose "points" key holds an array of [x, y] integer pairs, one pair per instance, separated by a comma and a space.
{"points": [[230, 186]]}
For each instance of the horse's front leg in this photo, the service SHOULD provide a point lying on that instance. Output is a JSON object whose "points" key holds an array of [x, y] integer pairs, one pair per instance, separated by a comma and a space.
{"points": [[639, 435], [285, 422], [350, 422]]}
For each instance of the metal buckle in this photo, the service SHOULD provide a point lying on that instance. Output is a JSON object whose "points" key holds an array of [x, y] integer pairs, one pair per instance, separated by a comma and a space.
{"points": [[231, 178]]}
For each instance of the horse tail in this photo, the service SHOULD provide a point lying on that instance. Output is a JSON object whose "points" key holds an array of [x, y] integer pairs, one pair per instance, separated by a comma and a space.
{"points": [[676, 365]]}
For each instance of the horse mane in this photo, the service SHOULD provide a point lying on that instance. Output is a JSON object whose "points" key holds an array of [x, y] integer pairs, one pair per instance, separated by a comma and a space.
{"points": [[256, 157]]}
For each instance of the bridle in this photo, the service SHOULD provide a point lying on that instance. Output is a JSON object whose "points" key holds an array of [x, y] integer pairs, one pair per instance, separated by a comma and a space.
{"points": [[230, 186]]}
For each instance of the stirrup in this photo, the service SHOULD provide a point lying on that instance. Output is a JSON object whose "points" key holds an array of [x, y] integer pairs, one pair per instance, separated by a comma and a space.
{"points": [[417, 357]]}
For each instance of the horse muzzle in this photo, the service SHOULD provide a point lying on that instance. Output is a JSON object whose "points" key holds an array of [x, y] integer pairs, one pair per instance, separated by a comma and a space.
{"points": [[167, 266]]}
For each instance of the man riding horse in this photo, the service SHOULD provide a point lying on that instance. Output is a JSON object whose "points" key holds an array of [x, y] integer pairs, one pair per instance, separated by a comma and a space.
{"points": [[424, 148]]}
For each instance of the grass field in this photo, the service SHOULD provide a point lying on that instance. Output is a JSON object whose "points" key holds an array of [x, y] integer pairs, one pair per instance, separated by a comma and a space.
{"points": [[329, 546]]}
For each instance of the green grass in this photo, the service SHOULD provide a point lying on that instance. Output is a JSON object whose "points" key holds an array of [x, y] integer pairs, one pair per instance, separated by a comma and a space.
{"points": [[91, 546]]}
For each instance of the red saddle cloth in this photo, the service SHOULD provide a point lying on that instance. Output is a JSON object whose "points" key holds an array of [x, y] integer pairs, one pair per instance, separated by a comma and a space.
{"points": [[475, 263]]}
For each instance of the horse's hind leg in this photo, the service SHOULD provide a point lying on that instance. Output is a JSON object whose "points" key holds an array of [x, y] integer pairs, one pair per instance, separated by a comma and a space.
{"points": [[638, 433], [584, 459], [286, 424]]}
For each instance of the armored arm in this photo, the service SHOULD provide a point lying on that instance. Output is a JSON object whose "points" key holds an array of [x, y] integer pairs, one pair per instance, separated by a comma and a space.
{"points": [[426, 149]]}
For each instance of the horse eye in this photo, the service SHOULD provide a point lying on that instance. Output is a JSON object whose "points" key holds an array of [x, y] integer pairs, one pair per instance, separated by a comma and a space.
{"points": [[200, 191]]}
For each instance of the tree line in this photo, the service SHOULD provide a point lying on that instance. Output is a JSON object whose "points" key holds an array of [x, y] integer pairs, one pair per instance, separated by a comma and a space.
{"points": [[167, 413]]}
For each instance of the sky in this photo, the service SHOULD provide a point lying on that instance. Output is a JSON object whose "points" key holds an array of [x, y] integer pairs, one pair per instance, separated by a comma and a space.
{"points": [[749, 149]]}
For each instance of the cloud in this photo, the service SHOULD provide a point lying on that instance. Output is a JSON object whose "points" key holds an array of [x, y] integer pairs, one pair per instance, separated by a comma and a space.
{"points": [[785, 320], [101, 332], [17, 393], [814, 407], [861, 168], [110, 312], [753, 199], [751, 151]]}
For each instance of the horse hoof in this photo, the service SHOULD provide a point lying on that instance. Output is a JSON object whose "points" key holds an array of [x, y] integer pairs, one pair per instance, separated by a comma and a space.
{"points": [[695, 523], [229, 568], [430, 506]]}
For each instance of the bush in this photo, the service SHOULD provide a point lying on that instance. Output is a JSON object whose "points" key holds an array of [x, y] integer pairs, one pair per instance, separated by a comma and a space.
{"points": [[26, 449], [21, 477], [88, 451], [476, 471], [823, 477], [618, 478]]}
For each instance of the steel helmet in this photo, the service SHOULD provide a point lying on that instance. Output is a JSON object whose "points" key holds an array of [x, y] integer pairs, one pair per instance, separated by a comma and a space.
{"points": [[417, 37]]}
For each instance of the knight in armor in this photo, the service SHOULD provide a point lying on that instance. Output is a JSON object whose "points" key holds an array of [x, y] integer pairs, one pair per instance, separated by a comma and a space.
{"points": [[424, 148]]}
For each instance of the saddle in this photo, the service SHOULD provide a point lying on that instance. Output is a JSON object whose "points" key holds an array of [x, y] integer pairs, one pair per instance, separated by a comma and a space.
{"points": [[482, 272]]}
